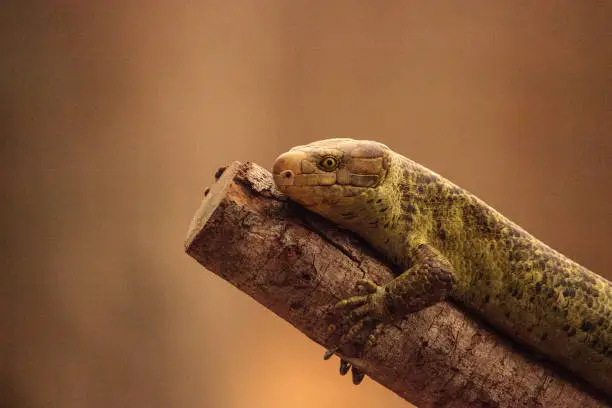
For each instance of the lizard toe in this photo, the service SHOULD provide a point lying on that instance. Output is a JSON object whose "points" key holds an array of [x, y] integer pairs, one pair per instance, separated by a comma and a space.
{"points": [[357, 375], [345, 366], [361, 312], [352, 333], [352, 302], [372, 338], [329, 353], [367, 285]]}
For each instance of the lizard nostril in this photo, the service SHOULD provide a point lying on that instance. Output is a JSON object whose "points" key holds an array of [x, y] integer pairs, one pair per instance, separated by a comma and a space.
{"points": [[285, 178]]}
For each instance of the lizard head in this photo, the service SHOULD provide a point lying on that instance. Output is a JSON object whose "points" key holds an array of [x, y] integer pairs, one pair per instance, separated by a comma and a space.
{"points": [[336, 178]]}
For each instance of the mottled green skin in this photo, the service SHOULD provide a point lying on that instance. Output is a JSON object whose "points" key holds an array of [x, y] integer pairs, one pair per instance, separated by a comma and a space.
{"points": [[453, 244]]}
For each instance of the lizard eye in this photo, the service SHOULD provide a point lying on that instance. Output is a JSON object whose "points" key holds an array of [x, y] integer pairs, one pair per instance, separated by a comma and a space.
{"points": [[328, 163]]}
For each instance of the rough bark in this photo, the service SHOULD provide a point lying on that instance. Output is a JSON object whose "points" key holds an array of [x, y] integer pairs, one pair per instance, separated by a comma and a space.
{"points": [[298, 265]]}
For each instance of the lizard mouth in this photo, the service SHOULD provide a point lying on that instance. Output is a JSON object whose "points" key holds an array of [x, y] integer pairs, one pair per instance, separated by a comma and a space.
{"points": [[300, 192]]}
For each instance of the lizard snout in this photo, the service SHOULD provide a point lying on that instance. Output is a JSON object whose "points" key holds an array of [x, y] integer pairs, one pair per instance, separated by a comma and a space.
{"points": [[286, 167]]}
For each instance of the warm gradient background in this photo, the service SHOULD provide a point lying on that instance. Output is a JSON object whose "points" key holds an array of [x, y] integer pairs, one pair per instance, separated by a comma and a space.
{"points": [[115, 116]]}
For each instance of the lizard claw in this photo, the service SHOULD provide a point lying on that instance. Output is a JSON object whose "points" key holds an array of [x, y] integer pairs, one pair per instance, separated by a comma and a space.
{"points": [[330, 352], [357, 375], [345, 366]]}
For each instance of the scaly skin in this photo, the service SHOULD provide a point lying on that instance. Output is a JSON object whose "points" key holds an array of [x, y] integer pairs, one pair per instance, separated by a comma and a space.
{"points": [[454, 245]]}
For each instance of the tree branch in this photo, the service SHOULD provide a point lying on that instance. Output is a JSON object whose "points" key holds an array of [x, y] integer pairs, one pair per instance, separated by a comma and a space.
{"points": [[298, 265]]}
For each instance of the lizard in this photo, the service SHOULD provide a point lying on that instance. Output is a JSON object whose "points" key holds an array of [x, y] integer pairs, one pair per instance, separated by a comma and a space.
{"points": [[453, 246]]}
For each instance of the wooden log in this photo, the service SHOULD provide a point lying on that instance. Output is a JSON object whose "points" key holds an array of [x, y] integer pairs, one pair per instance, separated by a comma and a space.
{"points": [[297, 265]]}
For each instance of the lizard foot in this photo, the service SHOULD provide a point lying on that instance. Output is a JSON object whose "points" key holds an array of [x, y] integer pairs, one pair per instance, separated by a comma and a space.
{"points": [[364, 316]]}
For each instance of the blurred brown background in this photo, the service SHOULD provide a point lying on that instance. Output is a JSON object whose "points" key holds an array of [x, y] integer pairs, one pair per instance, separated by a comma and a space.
{"points": [[115, 116]]}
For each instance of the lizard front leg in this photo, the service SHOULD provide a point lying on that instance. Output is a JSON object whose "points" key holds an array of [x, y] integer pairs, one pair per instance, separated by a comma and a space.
{"points": [[429, 280]]}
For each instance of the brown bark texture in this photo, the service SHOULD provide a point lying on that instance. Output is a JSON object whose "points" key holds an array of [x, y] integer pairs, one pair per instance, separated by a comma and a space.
{"points": [[299, 265]]}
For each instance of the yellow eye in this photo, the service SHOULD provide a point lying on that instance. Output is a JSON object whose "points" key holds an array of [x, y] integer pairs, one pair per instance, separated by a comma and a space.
{"points": [[328, 163]]}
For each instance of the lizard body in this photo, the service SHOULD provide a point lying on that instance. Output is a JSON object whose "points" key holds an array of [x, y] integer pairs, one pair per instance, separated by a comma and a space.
{"points": [[453, 245]]}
